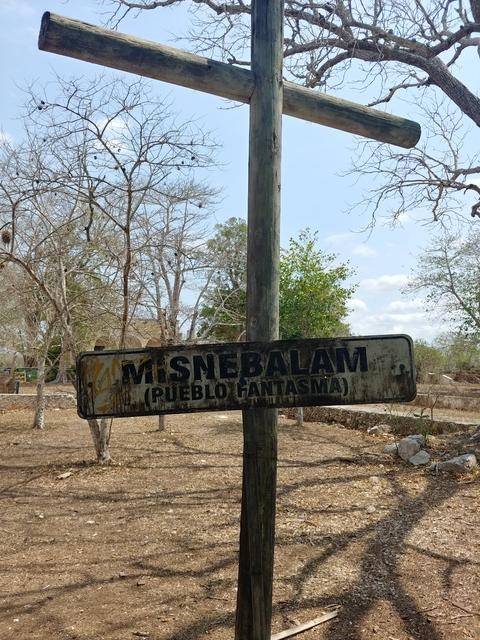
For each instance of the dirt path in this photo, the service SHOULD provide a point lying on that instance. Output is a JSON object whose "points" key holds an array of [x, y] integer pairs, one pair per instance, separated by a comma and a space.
{"points": [[148, 547]]}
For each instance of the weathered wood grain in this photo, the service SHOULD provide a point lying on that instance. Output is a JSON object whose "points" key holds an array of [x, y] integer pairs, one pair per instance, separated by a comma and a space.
{"points": [[257, 530], [83, 41]]}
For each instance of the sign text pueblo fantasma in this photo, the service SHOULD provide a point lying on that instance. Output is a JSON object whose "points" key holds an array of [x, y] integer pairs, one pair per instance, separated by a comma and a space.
{"points": [[209, 377]]}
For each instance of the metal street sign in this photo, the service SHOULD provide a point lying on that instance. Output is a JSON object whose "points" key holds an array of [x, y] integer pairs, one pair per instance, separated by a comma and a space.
{"points": [[211, 377]]}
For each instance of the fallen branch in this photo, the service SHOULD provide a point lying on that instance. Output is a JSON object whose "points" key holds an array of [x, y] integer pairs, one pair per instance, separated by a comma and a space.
{"points": [[458, 606], [305, 626]]}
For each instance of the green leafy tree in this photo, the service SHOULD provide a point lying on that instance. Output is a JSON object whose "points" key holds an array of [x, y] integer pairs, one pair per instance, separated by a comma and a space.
{"points": [[461, 353], [313, 290], [428, 359], [313, 293], [223, 314]]}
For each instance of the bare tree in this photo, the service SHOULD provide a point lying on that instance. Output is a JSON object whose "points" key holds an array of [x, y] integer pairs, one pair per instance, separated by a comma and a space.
{"points": [[173, 269], [171, 259], [98, 156], [12, 328], [382, 50], [224, 306], [40, 238], [131, 149], [448, 270]]}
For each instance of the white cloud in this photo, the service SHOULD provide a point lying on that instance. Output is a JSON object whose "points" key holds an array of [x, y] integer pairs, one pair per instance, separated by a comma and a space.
{"points": [[417, 324], [339, 238], [404, 218], [6, 138], [113, 133], [475, 181], [355, 305], [400, 306], [116, 124], [363, 251], [401, 318], [385, 283], [401, 220]]}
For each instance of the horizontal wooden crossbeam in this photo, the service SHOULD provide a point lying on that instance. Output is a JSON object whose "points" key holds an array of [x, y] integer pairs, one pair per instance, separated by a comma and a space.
{"points": [[83, 41]]}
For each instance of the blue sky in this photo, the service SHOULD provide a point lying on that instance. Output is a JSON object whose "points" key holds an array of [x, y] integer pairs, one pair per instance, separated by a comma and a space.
{"points": [[316, 193]]}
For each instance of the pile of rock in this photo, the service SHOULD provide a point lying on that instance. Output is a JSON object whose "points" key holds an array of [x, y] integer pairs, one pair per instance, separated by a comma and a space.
{"points": [[412, 450]]}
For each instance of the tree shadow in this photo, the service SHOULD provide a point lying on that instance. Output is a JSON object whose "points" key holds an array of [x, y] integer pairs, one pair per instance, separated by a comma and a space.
{"points": [[379, 576], [384, 540]]}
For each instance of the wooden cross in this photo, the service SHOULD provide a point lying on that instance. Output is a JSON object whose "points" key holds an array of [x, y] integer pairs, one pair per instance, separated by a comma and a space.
{"points": [[263, 88]]}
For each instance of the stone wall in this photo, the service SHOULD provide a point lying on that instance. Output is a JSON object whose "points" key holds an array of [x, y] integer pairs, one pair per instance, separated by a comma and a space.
{"points": [[15, 402], [455, 402], [354, 418]]}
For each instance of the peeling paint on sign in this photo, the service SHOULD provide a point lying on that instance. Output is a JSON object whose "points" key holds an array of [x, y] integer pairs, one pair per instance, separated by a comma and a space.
{"points": [[209, 377]]}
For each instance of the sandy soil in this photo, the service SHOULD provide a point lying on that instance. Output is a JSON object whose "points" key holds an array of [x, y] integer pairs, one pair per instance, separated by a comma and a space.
{"points": [[148, 547]]}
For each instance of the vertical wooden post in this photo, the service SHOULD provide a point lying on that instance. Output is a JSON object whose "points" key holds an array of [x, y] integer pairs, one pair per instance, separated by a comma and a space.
{"points": [[257, 529]]}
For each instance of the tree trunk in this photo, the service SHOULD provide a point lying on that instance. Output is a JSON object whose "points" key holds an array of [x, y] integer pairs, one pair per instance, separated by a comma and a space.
{"points": [[62, 376], [299, 416], [100, 431], [39, 417]]}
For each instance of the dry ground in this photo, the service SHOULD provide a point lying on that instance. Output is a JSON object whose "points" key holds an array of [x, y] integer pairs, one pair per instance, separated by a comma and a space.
{"points": [[147, 547]]}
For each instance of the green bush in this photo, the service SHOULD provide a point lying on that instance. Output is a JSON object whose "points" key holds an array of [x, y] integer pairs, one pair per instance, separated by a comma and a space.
{"points": [[428, 359]]}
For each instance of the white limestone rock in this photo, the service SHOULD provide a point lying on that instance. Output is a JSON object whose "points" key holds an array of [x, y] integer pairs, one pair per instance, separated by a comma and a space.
{"points": [[422, 457], [465, 463]]}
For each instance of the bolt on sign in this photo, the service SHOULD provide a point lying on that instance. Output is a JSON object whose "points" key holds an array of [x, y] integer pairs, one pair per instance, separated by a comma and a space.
{"points": [[209, 377]]}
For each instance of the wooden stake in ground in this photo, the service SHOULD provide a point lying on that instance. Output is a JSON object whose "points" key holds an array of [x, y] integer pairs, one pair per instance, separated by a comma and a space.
{"points": [[262, 87], [257, 527]]}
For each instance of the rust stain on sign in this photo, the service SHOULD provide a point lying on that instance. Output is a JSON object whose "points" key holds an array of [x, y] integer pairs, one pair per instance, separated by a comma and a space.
{"points": [[209, 377]]}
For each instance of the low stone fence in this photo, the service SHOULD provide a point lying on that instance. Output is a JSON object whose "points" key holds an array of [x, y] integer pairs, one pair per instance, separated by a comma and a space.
{"points": [[351, 417], [15, 402], [356, 418], [452, 402]]}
